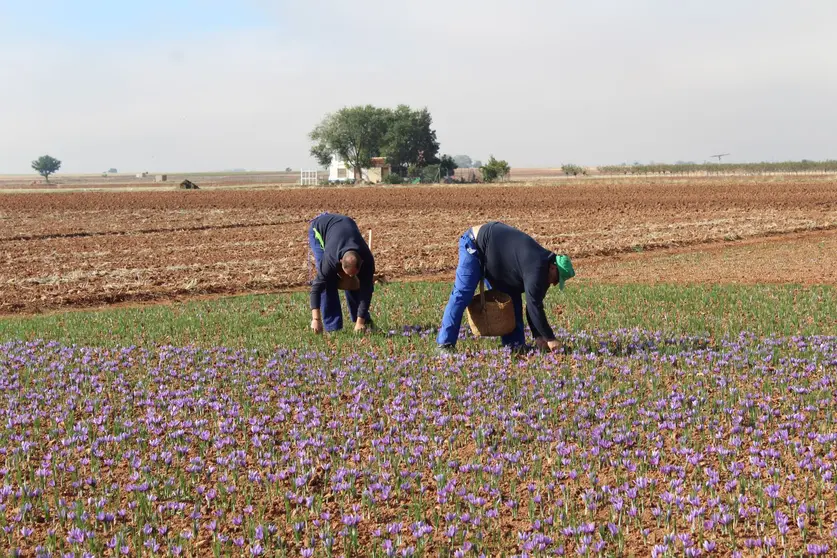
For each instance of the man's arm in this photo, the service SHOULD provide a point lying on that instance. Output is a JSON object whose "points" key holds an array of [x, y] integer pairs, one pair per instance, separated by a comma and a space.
{"points": [[535, 331], [317, 288], [367, 287], [318, 285], [536, 284]]}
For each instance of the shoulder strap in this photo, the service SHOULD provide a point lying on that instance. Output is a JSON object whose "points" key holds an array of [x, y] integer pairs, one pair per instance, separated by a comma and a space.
{"points": [[319, 238], [482, 285]]}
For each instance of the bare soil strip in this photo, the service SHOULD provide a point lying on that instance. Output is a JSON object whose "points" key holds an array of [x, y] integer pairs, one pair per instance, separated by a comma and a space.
{"points": [[796, 258], [97, 248]]}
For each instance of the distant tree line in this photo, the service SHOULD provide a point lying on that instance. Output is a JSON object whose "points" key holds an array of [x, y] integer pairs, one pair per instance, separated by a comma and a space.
{"points": [[722, 168]]}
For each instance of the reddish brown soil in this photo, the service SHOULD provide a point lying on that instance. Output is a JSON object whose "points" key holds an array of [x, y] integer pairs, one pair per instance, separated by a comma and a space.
{"points": [[805, 258], [76, 249]]}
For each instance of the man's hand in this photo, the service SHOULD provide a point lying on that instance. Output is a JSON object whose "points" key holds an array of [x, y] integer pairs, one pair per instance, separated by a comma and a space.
{"points": [[545, 345], [316, 321]]}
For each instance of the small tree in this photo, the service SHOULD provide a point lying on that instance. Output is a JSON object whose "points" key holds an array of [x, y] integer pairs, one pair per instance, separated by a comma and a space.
{"points": [[393, 178], [572, 170], [448, 165], [46, 165], [431, 174], [495, 170]]}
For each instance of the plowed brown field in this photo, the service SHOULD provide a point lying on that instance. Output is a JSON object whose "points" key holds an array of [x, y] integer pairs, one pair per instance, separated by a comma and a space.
{"points": [[93, 248]]}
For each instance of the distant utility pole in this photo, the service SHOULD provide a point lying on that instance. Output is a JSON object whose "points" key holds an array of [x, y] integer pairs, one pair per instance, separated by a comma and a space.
{"points": [[719, 156]]}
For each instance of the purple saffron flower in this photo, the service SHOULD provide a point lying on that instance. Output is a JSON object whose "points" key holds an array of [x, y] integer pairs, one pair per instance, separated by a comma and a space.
{"points": [[351, 520], [394, 528], [817, 549], [75, 536]]}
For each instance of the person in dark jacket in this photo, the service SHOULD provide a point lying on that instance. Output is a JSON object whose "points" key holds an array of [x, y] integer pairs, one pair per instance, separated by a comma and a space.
{"points": [[339, 251], [512, 262]]}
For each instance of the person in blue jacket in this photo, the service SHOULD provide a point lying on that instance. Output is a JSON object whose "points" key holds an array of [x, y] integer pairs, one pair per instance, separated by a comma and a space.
{"points": [[512, 262], [339, 251]]}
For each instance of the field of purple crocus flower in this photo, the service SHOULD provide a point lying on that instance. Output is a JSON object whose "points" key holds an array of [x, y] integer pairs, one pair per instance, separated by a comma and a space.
{"points": [[628, 444]]}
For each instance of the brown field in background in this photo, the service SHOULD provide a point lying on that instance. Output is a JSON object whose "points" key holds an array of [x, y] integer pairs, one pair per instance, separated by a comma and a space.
{"points": [[128, 181], [81, 249]]}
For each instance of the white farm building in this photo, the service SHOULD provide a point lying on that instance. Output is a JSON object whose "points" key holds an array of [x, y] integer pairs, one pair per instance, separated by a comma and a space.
{"points": [[340, 172]]}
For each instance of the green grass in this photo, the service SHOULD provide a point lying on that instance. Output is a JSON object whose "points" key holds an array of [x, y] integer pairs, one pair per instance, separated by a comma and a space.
{"points": [[268, 321]]}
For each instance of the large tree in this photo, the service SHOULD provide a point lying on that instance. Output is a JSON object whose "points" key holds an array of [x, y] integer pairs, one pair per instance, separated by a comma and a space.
{"points": [[410, 141], [355, 134], [46, 165]]}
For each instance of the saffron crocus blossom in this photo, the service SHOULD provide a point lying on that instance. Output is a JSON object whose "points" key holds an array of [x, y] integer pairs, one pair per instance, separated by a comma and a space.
{"points": [[627, 442]]}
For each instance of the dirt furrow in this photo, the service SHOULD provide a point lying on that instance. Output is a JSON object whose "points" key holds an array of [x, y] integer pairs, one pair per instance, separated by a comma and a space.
{"points": [[68, 249]]}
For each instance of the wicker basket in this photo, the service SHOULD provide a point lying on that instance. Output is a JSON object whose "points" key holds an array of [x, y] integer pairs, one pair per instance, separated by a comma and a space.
{"points": [[343, 283], [491, 314], [348, 283]]}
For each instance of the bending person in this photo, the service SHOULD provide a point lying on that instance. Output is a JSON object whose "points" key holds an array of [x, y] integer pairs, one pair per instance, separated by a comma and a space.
{"points": [[515, 264], [339, 251]]}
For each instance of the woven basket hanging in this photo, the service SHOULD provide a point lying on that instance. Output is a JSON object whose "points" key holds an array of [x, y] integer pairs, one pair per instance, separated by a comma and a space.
{"points": [[343, 283], [492, 314], [347, 283]]}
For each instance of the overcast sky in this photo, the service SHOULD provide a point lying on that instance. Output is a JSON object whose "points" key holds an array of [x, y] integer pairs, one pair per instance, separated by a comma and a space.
{"points": [[201, 85]]}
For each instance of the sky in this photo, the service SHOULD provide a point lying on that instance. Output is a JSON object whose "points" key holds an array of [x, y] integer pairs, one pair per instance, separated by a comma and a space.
{"points": [[188, 85]]}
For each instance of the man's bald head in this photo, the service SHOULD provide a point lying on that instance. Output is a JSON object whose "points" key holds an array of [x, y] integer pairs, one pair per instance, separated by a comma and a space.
{"points": [[351, 263]]}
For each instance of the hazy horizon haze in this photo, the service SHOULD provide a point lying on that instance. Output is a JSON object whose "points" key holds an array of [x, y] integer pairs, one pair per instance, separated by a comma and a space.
{"points": [[197, 86]]}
